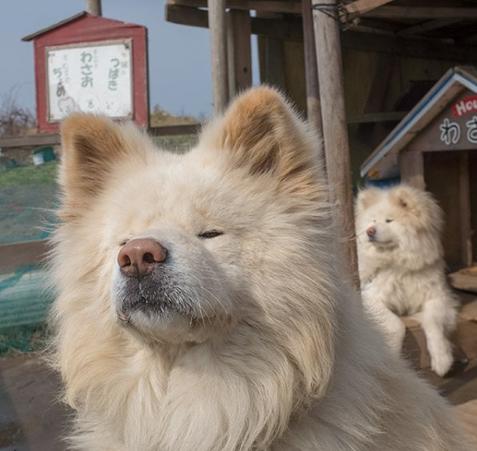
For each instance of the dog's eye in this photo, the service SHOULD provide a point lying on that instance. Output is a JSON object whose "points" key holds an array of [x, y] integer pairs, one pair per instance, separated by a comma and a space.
{"points": [[389, 220], [210, 234]]}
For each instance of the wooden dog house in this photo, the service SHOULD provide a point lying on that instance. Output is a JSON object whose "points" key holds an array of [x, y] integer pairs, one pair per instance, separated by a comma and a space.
{"points": [[435, 148]]}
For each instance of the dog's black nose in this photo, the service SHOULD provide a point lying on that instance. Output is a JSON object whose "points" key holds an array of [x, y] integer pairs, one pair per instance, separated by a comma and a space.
{"points": [[138, 257], [371, 231]]}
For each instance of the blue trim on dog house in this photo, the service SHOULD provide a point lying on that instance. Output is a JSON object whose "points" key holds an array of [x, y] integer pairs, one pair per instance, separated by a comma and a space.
{"points": [[383, 161]]}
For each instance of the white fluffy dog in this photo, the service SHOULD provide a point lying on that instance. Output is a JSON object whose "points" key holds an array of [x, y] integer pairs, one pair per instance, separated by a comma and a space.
{"points": [[201, 305], [402, 267]]}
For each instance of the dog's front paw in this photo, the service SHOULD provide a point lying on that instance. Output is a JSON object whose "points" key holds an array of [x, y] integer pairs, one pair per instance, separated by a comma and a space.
{"points": [[441, 362]]}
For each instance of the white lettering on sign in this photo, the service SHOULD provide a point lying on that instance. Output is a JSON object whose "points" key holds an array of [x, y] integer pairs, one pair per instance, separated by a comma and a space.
{"points": [[466, 105], [472, 130], [450, 132], [93, 78]]}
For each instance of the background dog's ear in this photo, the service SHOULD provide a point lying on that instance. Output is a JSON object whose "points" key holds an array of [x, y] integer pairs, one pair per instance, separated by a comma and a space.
{"points": [[90, 146], [366, 198], [264, 135], [404, 196]]}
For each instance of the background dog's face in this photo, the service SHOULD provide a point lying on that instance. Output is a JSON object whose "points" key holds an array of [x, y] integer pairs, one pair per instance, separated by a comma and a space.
{"points": [[390, 218], [182, 243]]}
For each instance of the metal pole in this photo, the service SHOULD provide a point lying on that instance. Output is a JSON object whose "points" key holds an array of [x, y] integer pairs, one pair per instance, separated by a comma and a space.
{"points": [[94, 7], [218, 46], [335, 129]]}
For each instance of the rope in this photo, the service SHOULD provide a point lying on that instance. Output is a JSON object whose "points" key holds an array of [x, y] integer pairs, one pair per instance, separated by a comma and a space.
{"points": [[336, 12]]}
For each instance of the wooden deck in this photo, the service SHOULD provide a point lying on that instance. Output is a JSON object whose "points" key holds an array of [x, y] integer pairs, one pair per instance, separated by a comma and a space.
{"points": [[460, 385], [467, 413]]}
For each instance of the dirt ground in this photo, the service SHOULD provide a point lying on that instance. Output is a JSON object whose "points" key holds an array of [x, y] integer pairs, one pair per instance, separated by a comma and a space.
{"points": [[31, 418]]}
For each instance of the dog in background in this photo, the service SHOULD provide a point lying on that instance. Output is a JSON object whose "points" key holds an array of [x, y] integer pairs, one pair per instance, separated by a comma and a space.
{"points": [[402, 268], [201, 304]]}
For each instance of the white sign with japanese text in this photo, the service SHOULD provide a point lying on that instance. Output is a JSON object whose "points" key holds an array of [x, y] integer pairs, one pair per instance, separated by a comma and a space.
{"points": [[90, 78]]}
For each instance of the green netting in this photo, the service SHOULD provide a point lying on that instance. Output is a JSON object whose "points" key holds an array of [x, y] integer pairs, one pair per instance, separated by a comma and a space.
{"points": [[24, 305], [27, 200], [24, 299]]}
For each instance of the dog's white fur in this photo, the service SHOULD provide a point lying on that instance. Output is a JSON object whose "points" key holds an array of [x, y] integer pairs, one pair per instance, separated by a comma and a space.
{"points": [[281, 356], [402, 267]]}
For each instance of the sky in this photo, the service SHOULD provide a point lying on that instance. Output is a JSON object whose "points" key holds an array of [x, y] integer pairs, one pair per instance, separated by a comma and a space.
{"points": [[179, 60]]}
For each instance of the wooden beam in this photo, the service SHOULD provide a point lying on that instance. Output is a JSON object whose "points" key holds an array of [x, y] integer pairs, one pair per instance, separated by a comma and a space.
{"points": [[174, 130], [424, 27], [275, 6], [218, 47], [272, 61], [411, 164], [372, 118], [288, 28], [423, 13], [335, 130], [36, 140], [359, 7], [239, 51], [465, 209], [313, 105], [291, 29], [416, 48], [52, 139]]}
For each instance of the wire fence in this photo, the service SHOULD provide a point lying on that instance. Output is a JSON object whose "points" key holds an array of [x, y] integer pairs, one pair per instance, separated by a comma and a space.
{"points": [[28, 200]]}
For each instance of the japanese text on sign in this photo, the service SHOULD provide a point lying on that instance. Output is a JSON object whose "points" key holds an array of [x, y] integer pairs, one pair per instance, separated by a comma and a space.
{"points": [[94, 79], [451, 131]]}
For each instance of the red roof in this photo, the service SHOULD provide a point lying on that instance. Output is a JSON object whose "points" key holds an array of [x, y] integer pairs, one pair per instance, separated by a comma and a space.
{"points": [[72, 19]]}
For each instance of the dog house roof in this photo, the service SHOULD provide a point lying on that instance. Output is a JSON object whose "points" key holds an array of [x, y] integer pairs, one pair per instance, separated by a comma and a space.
{"points": [[383, 162], [100, 20]]}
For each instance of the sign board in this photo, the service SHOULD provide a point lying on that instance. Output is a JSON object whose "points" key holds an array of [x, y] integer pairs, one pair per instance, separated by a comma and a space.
{"points": [[93, 78], [455, 128]]}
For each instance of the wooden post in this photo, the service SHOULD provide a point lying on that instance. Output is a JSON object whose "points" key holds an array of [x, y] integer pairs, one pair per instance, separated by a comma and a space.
{"points": [[411, 164], [218, 46], [335, 130], [465, 209], [239, 51], [94, 7], [313, 105]]}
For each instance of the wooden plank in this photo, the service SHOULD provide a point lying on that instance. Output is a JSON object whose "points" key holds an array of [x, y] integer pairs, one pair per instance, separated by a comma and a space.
{"points": [[466, 280], [271, 61], [411, 164], [14, 255], [218, 49], [335, 130], [173, 130], [467, 415], [275, 6], [417, 48], [371, 118], [313, 104], [44, 139], [359, 7], [429, 25], [291, 29], [239, 51], [36, 140], [464, 209], [423, 13]]}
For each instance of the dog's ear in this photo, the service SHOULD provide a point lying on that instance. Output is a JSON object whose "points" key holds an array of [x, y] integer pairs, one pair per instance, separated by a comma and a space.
{"points": [[263, 134], [405, 196], [91, 145], [366, 198]]}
